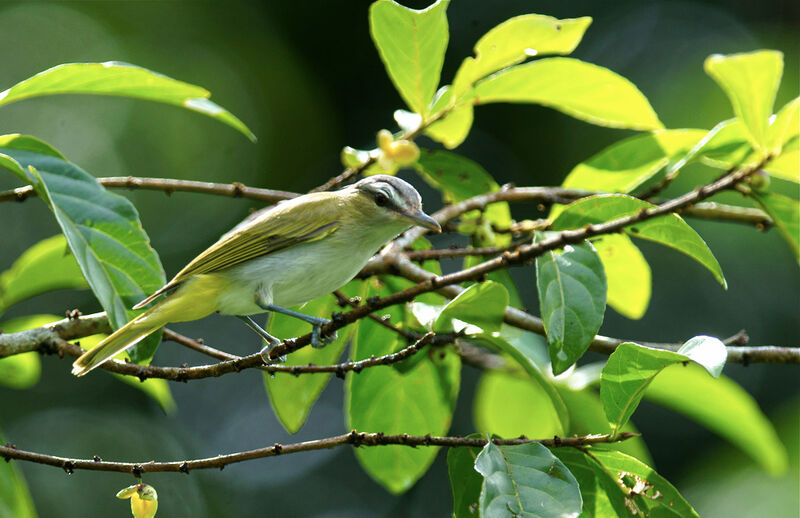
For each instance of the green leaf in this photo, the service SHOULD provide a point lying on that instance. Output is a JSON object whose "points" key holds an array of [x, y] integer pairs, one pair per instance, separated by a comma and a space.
{"points": [[454, 127], [627, 164], [465, 482], [586, 416], [123, 80], [784, 125], [750, 80], [22, 371], [786, 165], [46, 266], [516, 40], [381, 399], [293, 396], [785, 214], [411, 44], [105, 235], [482, 305], [526, 480], [15, 500], [572, 298], [669, 230], [657, 497], [510, 404], [631, 368], [627, 274], [579, 89], [602, 496], [722, 406]]}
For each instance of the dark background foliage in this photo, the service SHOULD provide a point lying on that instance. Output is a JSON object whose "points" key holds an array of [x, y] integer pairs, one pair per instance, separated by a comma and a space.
{"points": [[306, 79]]}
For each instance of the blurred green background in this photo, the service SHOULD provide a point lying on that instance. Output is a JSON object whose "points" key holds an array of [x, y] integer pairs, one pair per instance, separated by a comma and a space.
{"points": [[306, 79]]}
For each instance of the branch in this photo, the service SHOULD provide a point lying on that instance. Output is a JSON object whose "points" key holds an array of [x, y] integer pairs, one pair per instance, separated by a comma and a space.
{"points": [[354, 438]]}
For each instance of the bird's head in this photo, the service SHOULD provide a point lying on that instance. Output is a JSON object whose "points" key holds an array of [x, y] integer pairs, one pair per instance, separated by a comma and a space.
{"points": [[389, 198]]}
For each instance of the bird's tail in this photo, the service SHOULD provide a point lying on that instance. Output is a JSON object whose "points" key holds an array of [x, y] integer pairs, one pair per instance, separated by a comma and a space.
{"points": [[121, 339]]}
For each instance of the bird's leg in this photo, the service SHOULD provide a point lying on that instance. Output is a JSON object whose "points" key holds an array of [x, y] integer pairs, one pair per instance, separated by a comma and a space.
{"points": [[317, 340], [271, 340]]}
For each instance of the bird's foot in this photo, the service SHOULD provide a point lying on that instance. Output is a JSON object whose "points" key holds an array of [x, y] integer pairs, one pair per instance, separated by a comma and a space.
{"points": [[318, 340], [265, 353]]}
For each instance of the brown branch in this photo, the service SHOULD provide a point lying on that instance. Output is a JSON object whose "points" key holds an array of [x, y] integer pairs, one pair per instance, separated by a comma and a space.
{"points": [[453, 252], [169, 185], [353, 438]]}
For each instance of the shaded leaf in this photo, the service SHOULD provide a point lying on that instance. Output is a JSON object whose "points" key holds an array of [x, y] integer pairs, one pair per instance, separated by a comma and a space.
{"points": [[582, 90], [669, 229], [124, 80], [722, 406], [627, 164], [15, 500], [627, 274], [572, 298], [602, 496], [482, 305], [465, 482], [411, 44], [526, 480], [516, 40], [104, 233], [293, 396], [750, 80], [46, 266], [785, 214]]}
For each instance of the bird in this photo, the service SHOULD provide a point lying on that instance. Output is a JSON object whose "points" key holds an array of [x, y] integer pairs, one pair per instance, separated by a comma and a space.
{"points": [[283, 256]]}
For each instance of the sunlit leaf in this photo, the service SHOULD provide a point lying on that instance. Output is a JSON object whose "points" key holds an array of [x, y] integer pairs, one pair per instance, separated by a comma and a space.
{"points": [[526, 480], [723, 407], [572, 297], [411, 44], [124, 80], [516, 40], [15, 500], [669, 229], [104, 233], [482, 305], [583, 90], [22, 371], [627, 274], [786, 165], [627, 164], [751, 82], [785, 214], [631, 368], [293, 396], [784, 125], [454, 127], [48, 265]]}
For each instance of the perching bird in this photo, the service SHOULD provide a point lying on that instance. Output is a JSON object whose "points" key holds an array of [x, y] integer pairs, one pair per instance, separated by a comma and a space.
{"points": [[292, 253]]}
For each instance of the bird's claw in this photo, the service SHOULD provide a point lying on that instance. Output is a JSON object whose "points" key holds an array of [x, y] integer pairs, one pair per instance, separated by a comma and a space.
{"points": [[318, 340], [265, 354]]}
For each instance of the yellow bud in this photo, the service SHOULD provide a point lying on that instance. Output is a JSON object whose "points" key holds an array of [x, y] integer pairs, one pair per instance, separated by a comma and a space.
{"points": [[144, 500], [403, 152], [385, 139]]}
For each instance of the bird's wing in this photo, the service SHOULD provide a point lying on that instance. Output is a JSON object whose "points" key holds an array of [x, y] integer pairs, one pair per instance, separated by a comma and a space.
{"points": [[280, 227]]}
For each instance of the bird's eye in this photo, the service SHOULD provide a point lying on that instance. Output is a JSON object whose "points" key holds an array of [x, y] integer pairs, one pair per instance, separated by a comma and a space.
{"points": [[381, 200]]}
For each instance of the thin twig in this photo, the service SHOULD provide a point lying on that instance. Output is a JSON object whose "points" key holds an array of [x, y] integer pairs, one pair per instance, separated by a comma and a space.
{"points": [[354, 438]]}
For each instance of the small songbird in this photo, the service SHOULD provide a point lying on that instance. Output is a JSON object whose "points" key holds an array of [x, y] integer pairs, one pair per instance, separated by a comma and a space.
{"points": [[289, 254]]}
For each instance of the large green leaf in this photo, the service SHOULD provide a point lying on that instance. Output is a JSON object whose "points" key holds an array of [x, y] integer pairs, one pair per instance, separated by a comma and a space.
{"points": [[583, 90], [381, 399], [454, 127], [465, 482], [124, 80], [104, 233], [652, 493], [511, 404], [15, 501], [751, 82], [411, 44], [602, 495], [785, 214], [572, 298], [723, 407], [786, 165], [526, 480], [516, 40], [48, 265], [293, 396], [632, 367], [669, 230], [482, 305], [627, 274], [627, 164]]}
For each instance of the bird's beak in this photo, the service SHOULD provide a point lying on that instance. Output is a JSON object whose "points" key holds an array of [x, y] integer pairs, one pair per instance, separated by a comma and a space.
{"points": [[423, 220]]}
